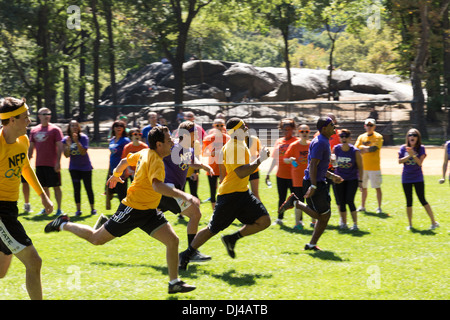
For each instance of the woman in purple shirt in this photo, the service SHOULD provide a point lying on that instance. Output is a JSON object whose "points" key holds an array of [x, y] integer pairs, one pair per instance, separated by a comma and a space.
{"points": [[445, 164], [411, 155], [80, 167], [348, 167]]}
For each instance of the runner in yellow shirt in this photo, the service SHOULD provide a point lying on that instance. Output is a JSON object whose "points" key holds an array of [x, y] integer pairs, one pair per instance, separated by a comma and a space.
{"points": [[139, 208], [14, 163], [370, 144], [234, 200]]}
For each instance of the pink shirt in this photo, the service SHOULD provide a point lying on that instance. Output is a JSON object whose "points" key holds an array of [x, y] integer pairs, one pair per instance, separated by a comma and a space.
{"points": [[45, 139]]}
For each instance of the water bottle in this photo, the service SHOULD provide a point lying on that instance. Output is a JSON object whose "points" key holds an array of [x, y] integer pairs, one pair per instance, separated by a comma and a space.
{"points": [[294, 163]]}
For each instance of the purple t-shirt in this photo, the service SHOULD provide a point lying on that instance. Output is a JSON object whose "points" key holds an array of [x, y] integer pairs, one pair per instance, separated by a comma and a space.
{"points": [[319, 149], [177, 164], [78, 161], [412, 172], [346, 162]]}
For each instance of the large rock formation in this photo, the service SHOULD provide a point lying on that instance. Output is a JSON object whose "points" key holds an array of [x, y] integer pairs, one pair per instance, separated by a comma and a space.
{"points": [[210, 78]]}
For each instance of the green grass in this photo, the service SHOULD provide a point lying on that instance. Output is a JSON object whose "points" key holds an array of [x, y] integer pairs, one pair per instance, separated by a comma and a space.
{"points": [[381, 261]]}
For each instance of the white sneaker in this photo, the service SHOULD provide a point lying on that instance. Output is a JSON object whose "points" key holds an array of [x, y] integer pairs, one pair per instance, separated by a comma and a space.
{"points": [[27, 208], [379, 211], [279, 222], [434, 226], [360, 209]]}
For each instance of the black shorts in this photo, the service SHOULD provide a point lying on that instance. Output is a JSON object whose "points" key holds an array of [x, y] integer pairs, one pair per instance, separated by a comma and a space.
{"points": [[321, 200], [243, 206], [48, 177], [13, 237], [299, 192], [127, 219], [169, 204]]}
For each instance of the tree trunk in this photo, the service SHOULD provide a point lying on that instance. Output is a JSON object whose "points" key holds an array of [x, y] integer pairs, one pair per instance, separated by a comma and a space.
{"points": [[285, 33], [82, 76], [417, 70], [96, 68], [112, 72]]}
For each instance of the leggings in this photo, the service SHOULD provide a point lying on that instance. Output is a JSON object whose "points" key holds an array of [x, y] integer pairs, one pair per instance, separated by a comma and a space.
{"points": [[282, 186], [213, 187], [420, 192], [86, 176], [345, 193]]}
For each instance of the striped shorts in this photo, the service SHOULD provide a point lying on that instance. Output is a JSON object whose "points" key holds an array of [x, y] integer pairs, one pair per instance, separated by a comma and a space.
{"points": [[13, 237]]}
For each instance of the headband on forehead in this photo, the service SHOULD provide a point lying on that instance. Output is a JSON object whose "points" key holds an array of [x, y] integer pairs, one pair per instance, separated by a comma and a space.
{"points": [[240, 124], [325, 123], [7, 115]]}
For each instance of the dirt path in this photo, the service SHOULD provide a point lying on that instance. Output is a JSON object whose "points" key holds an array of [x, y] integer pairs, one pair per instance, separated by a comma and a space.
{"points": [[389, 162]]}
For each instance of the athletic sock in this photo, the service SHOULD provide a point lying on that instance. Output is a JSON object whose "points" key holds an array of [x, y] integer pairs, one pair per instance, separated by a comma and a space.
{"points": [[190, 237], [61, 227], [174, 281], [235, 236]]}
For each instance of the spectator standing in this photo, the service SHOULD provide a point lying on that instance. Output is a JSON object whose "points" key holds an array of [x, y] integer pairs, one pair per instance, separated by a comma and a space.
{"points": [[348, 167], [47, 139], [445, 164], [76, 145], [116, 145], [297, 156], [284, 177], [134, 146], [411, 155], [152, 122], [370, 144]]}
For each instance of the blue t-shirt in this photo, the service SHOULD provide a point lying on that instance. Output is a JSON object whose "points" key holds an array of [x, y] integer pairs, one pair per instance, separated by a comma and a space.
{"points": [[346, 166], [146, 130], [177, 164], [412, 172], [78, 161], [116, 149], [319, 149]]}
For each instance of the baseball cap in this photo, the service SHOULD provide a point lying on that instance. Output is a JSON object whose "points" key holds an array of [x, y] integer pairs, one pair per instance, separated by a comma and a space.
{"points": [[370, 120]]}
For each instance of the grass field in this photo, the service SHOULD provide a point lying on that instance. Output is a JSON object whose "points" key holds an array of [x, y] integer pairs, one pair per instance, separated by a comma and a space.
{"points": [[381, 261]]}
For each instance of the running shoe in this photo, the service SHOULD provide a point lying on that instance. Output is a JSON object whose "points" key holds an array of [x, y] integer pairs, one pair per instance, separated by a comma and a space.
{"points": [[183, 259], [78, 213], [93, 211], [312, 247], [299, 226], [229, 245], [379, 211], [54, 225], [180, 286], [58, 212], [199, 257], [289, 203], [434, 226], [27, 208], [361, 209]]}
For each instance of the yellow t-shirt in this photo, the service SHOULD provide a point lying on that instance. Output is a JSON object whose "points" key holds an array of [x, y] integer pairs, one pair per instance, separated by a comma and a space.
{"points": [[14, 163], [149, 165], [371, 160], [254, 147], [235, 154]]}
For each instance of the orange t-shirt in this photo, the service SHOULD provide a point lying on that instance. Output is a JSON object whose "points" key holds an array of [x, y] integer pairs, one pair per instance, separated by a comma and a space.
{"points": [[212, 144], [300, 153], [280, 148]]}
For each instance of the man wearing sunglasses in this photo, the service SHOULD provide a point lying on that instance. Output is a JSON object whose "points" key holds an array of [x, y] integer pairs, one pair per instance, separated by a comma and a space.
{"points": [[369, 144]]}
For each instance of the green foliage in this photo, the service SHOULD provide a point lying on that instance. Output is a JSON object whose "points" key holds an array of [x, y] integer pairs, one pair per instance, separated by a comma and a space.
{"points": [[382, 261]]}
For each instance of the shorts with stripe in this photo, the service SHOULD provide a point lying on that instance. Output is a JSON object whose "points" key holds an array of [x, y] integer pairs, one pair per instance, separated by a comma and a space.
{"points": [[127, 219], [13, 237], [321, 200]]}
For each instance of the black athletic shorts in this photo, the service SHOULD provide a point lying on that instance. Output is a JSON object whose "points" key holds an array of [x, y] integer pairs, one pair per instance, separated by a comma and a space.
{"points": [[169, 204], [254, 176], [127, 219], [320, 202], [243, 206], [13, 237], [48, 177]]}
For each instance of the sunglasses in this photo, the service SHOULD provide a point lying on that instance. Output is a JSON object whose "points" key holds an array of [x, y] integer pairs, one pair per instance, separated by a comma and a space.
{"points": [[45, 114], [303, 131], [137, 134], [413, 135], [369, 125], [344, 135]]}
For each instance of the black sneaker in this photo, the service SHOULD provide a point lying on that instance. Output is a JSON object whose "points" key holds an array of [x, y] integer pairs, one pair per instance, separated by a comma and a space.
{"points": [[289, 203], [229, 245], [199, 257], [54, 225], [183, 259], [180, 286]]}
